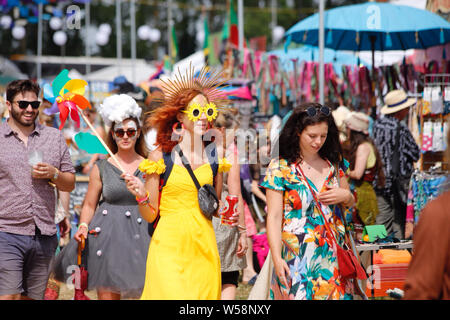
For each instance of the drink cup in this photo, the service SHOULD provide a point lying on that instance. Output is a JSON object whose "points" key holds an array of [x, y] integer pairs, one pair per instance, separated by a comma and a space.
{"points": [[34, 157], [231, 207]]}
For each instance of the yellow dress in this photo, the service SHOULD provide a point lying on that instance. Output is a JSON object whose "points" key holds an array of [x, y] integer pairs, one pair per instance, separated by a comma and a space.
{"points": [[183, 262]]}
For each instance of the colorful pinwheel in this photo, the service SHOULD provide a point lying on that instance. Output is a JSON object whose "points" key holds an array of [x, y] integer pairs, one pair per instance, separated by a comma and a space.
{"points": [[67, 97]]}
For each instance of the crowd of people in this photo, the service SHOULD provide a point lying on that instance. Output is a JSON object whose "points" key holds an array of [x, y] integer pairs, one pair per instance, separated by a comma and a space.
{"points": [[154, 221]]}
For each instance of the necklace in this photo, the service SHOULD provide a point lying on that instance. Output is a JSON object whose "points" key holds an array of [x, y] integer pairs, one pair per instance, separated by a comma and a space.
{"points": [[307, 165]]}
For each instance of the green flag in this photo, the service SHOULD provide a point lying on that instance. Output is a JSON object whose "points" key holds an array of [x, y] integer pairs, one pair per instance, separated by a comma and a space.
{"points": [[206, 49], [168, 63], [214, 45], [174, 44], [230, 28]]}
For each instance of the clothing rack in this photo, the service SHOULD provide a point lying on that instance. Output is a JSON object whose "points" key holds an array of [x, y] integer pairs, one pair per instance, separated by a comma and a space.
{"points": [[429, 158], [441, 76]]}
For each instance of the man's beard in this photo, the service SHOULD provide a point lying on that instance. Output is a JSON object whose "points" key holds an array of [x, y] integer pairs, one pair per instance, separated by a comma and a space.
{"points": [[16, 115]]}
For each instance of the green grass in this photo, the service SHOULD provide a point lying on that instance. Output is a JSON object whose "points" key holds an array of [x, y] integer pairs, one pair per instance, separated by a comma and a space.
{"points": [[65, 293]]}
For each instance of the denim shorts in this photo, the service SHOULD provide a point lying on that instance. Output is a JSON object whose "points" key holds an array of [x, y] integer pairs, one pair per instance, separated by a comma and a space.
{"points": [[25, 263]]}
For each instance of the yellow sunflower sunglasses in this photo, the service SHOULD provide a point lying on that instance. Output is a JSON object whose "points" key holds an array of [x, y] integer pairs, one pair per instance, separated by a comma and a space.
{"points": [[195, 111]]}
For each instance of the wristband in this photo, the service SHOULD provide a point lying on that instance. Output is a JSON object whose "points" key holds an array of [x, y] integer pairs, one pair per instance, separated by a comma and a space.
{"points": [[142, 200], [83, 224]]}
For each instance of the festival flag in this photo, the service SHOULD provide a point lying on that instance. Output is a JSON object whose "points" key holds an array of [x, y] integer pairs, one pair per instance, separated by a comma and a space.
{"points": [[230, 28], [258, 43], [214, 46], [206, 40], [167, 63], [173, 44]]}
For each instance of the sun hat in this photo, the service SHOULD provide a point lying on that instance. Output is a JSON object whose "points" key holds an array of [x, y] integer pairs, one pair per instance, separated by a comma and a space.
{"points": [[339, 115], [358, 121], [396, 100]]}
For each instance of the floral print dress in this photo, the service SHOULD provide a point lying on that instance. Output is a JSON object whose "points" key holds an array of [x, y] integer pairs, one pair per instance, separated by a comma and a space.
{"points": [[310, 255]]}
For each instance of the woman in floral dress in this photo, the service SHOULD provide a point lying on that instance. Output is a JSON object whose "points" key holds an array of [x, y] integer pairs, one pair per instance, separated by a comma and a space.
{"points": [[304, 257]]}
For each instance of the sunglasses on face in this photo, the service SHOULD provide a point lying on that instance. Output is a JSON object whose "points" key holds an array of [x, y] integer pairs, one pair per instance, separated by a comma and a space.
{"points": [[312, 111], [23, 104], [195, 112], [120, 133]]}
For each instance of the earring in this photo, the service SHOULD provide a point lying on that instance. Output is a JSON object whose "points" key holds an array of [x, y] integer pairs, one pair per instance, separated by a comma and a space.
{"points": [[177, 131]]}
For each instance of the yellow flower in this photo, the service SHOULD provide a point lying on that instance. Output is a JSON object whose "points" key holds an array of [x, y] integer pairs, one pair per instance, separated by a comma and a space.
{"points": [[224, 165], [149, 166], [211, 111], [194, 112]]}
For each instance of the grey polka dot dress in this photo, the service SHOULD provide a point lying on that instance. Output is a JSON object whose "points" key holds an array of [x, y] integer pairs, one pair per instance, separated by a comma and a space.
{"points": [[118, 241]]}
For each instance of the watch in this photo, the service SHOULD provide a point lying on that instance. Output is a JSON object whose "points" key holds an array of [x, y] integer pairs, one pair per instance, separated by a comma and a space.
{"points": [[55, 176]]}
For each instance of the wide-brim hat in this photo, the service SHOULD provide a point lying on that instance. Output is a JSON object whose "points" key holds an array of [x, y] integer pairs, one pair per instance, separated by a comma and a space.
{"points": [[339, 115], [358, 121], [396, 100]]}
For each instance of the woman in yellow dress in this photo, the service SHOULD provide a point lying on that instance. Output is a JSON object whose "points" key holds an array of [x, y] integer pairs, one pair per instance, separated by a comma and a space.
{"points": [[183, 261]]}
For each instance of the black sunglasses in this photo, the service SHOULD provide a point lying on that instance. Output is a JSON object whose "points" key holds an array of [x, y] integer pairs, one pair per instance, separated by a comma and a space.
{"points": [[23, 104], [120, 133], [312, 111]]}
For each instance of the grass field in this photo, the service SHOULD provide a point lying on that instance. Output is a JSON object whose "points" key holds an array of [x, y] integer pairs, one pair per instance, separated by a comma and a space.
{"points": [[67, 294]]}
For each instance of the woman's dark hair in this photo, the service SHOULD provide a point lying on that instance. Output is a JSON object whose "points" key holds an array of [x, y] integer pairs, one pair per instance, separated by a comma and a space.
{"points": [[288, 144], [355, 139], [140, 142]]}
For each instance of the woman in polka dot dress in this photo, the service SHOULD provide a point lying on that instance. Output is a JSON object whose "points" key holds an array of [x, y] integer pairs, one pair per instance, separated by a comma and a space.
{"points": [[117, 236]]}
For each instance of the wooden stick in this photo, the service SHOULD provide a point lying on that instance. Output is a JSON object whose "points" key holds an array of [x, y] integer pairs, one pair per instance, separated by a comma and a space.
{"points": [[100, 138]]}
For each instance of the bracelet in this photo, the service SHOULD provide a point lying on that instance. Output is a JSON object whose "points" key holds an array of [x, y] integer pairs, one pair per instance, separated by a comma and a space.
{"points": [[144, 199], [150, 206], [241, 227], [83, 224]]}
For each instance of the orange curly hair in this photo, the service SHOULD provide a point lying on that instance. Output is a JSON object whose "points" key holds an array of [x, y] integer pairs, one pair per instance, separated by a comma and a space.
{"points": [[164, 118], [178, 92]]}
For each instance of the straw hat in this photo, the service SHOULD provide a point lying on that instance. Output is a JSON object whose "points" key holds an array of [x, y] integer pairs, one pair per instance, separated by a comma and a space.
{"points": [[358, 121], [339, 116], [396, 100]]}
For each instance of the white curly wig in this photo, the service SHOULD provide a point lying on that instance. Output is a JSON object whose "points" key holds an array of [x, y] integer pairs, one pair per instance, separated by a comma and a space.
{"points": [[117, 108]]}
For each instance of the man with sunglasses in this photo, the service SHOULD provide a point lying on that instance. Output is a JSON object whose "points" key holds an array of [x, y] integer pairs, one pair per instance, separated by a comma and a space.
{"points": [[27, 213]]}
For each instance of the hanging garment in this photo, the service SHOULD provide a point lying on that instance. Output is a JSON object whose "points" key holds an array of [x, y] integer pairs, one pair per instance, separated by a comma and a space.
{"points": [[425, 187], [446, 101], [427, 137], [403, 74], [437, 107], [445, 133], [426, 105], [438, 137]]}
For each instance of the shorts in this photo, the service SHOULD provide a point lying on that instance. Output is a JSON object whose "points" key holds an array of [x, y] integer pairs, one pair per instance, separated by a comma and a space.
{"points": [[230, 277], [25, 263]]}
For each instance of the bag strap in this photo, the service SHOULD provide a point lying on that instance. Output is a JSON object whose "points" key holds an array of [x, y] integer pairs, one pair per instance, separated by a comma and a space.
{"points": [[211, 153], [327, 226], [336, 170], [344, 221], [187, 166], [396, 155], [168, 161]]}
